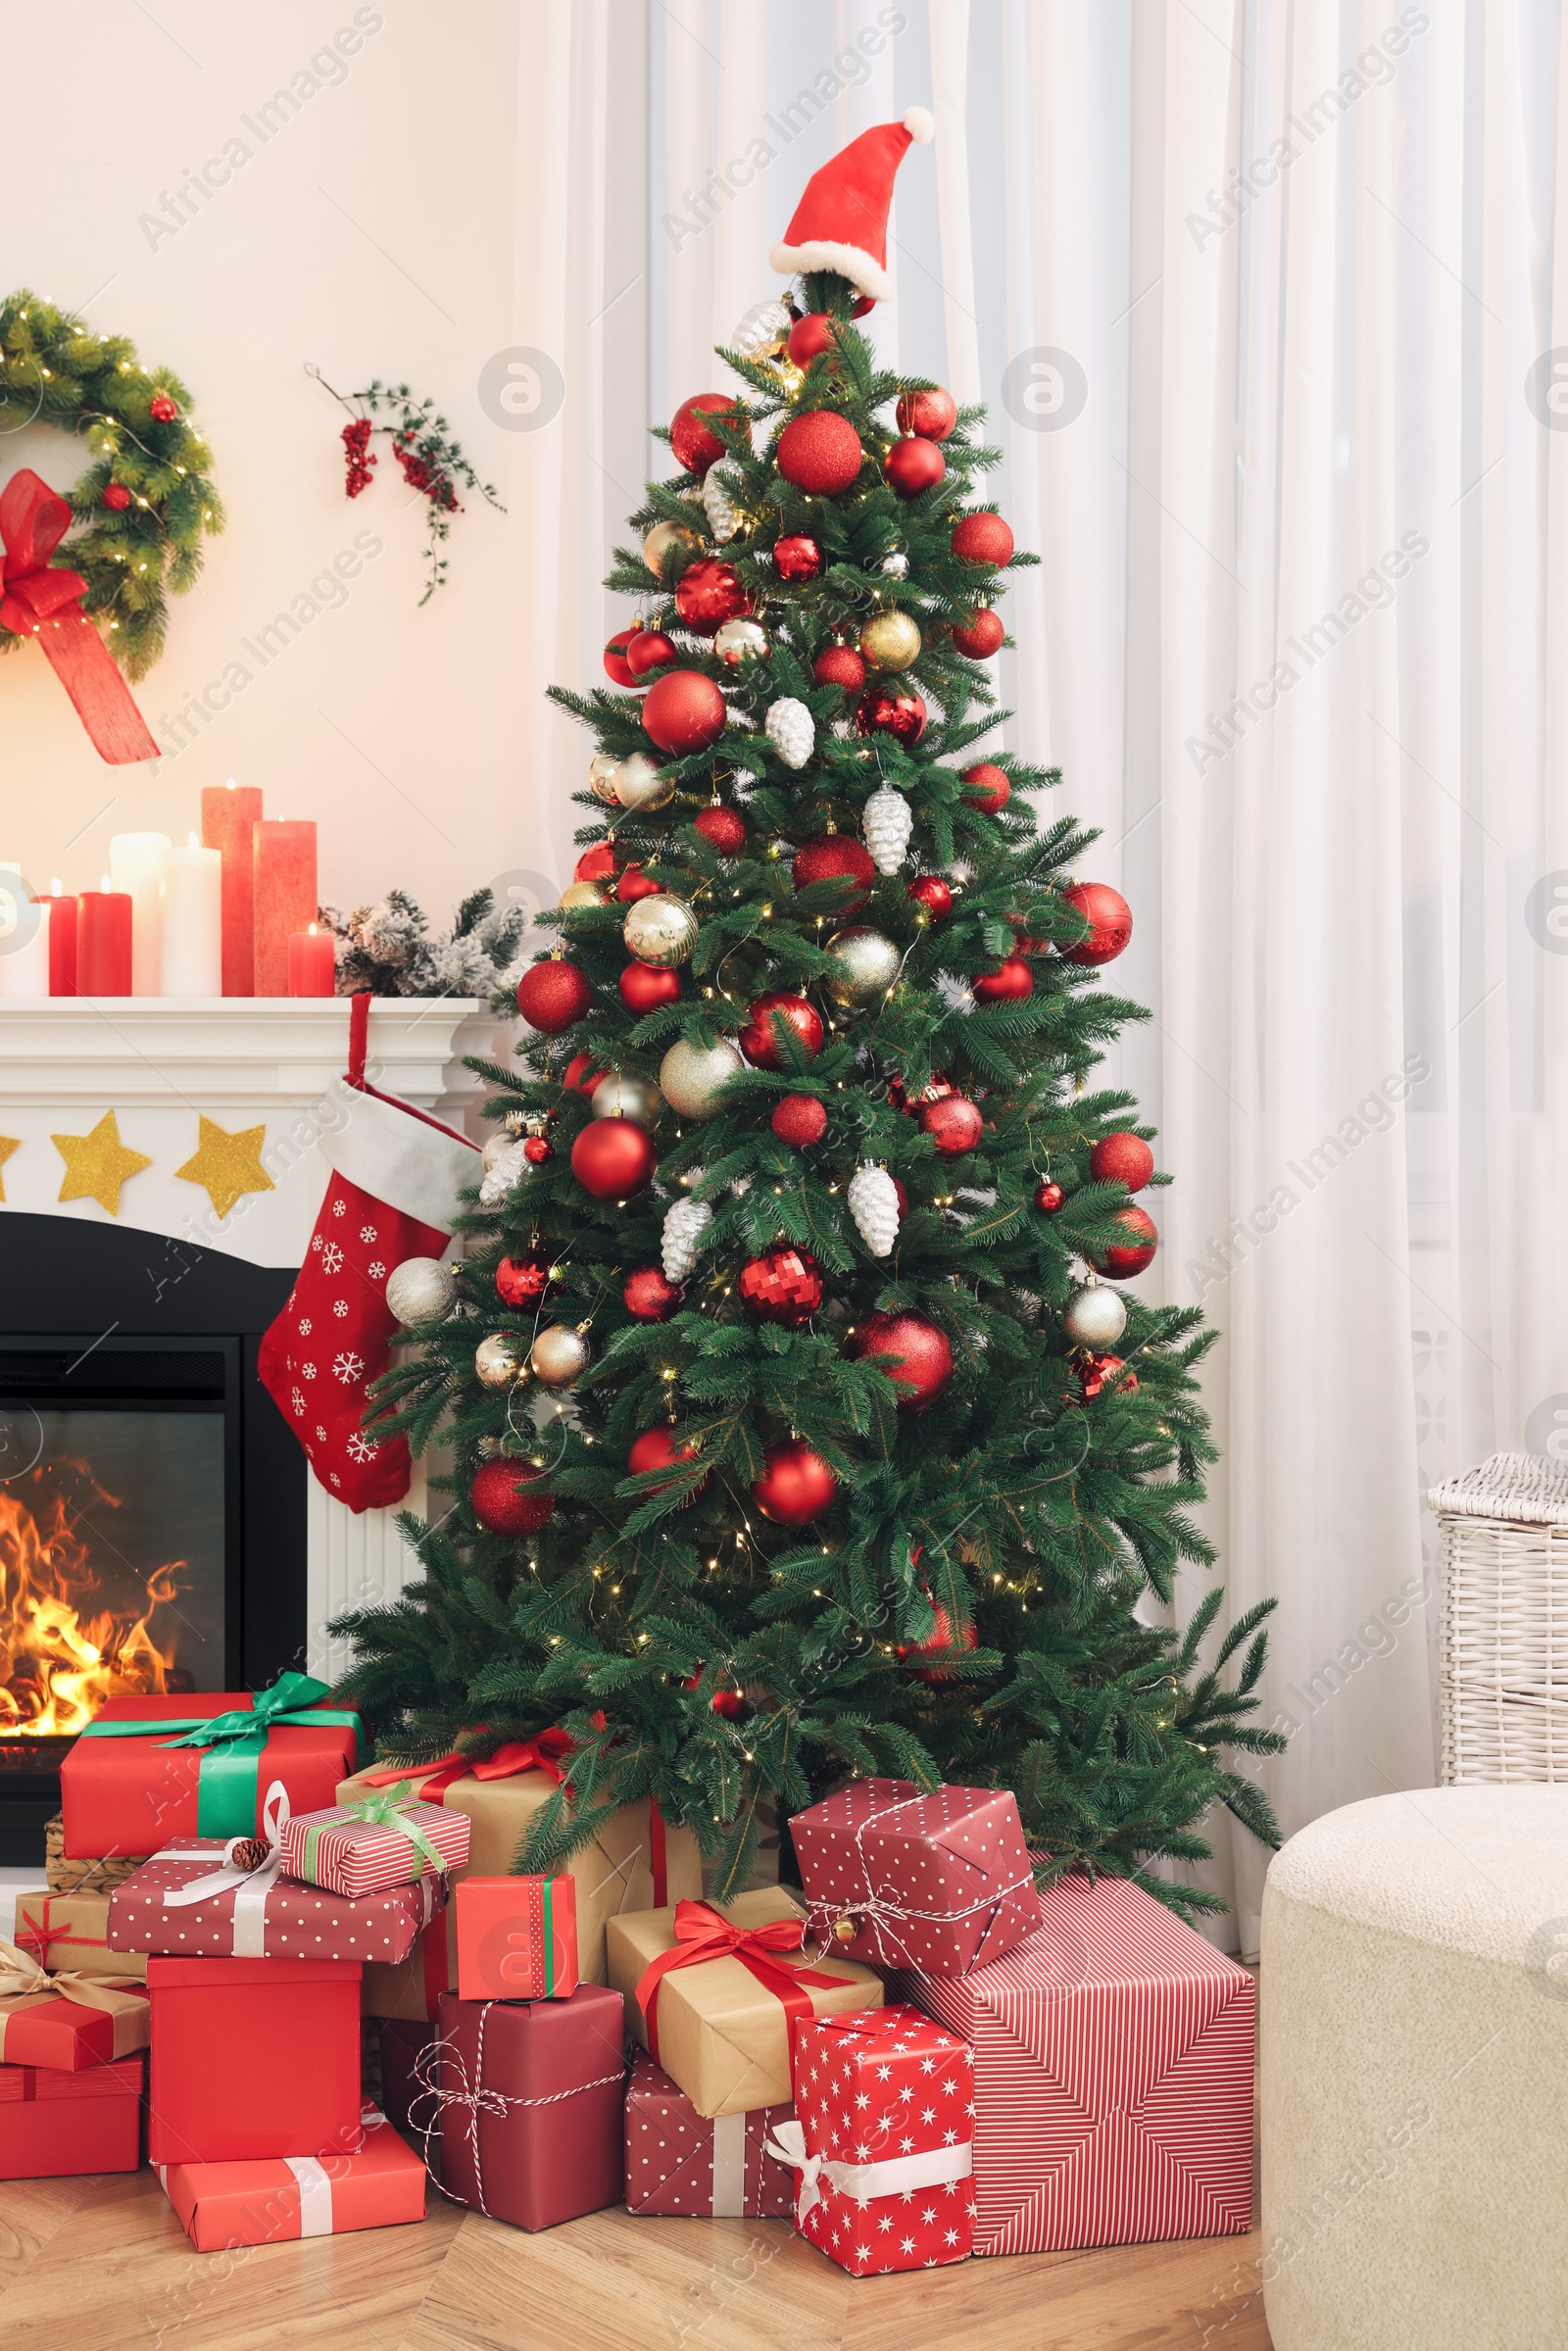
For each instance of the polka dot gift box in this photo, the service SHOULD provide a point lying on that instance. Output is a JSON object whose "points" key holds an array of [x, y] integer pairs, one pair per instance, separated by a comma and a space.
{"points": [[680, 2164], [941, 1882], [257, 1915]]}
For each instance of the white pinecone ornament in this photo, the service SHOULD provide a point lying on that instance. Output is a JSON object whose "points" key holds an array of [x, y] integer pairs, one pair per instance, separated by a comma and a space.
{"points": [[722, 521], [685, 1223], [791, 731], [764, 327], [874, 1205], [504, 1174], [887, 825]]}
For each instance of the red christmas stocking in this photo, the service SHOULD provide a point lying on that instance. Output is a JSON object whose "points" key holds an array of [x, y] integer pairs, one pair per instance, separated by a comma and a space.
{"points": [[392, 1194]]}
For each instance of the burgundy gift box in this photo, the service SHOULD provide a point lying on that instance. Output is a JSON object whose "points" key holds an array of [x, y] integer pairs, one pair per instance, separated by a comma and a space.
{"points": [[266, 1917], [530, 2101], [404, 2043], [939, 1882], [677, 2162], [56, 2124], [253, 2057]]}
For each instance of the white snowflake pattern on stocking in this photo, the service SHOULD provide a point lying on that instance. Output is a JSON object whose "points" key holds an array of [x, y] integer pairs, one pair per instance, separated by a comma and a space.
{"points": [[297, 1400], [340, 1307], [305, 1326], [306, 1371], [347, 1368], [377, 1270], [340, 1207], [332, 1257], [367, 1232], [360, 1449]]}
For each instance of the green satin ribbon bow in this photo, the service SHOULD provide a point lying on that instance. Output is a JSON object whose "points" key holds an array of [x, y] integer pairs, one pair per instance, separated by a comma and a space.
{"points": [[228, 1783], [385, 1809]]}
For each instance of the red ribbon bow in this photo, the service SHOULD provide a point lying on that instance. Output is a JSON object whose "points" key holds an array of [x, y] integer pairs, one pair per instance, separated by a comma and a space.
{"points": [[41, 600], [703, 1933], [541, 1753]]}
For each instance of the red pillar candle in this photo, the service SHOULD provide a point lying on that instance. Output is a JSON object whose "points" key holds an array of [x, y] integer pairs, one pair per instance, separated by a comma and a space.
{"points": [[229, 817], [103, 942], [311, 964], [64, 918], [285, 896]]}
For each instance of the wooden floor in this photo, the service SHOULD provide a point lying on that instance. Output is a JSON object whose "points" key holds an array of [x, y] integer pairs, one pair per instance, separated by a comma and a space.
{"points": [[102, 2265]]}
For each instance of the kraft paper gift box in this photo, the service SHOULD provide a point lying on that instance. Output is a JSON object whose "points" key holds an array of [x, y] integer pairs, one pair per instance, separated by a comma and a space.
{"points": [[66, 1931], [681, 2164], [517, 1938], [1113, 2059], [712, 1993], [55, 2125], [373, 1844], [69, 2019], [270, 2201], [939, 1881], [253, 2057], [529, 2105], [262, 1914]]}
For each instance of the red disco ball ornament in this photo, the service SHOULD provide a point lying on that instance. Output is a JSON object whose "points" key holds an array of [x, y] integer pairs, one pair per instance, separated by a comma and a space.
{"points": [[796, 1484], [692, 442], [1050, 1197], [1123, 1158], [596, 864], [617, 668], [933, 414], [648, 1296], [660, 1449], [890, 710], [798, 1119], [644, 987], [930, 890], [708, 594], [981, 637], [990, 787], [953, 1125], [634, 884], [912, 465], [649, 648], [783, 1286], [819, 452], [1010, 983], [982, 539], [1095, 1373], [581, 1074], [938, 1642], [758, 1039], [612, 1158], [839, 666], [809, 337], [1110, 918], [834, 857], [684, 712], [524, 1280], [723, 829], [1125, 1257], [552, 995], [926, 1365], [797, 557], [501, 1501], [537, 1151]]}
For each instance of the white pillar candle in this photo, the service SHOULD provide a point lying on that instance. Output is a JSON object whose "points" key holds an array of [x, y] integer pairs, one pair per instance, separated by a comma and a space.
{"points": [[191, 947], [24, 937], [136, 866]]}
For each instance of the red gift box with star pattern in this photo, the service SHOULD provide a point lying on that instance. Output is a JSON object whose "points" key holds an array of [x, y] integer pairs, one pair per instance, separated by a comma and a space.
{"points": [[898, 1876], [882, 2146]]}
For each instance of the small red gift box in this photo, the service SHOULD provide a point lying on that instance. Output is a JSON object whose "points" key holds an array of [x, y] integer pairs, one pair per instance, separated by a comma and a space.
{"points": [[679, 2163], [262, 1914], [1113, 2076], [939, 1882], [49, 2027], [253, 2057], [529, 2105], [267, 2202], [884, 2141], [384, 1839], [517, 1938], [54, 2125]]}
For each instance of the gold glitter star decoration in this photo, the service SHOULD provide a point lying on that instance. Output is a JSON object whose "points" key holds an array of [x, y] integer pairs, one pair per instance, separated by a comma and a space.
{"points": [[226, 1166], [8, 1145], [97, 1165]]}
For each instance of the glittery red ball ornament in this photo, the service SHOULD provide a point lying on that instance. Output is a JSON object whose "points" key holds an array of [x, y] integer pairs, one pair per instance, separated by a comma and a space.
{"points": [[684, 712], [1095, 1373], [1050, 1197], [552, 995], [660, 1449], [537, 1152], [926, 1365], [784, 1284], [758, 1039], [648, 1296], [834, 857], [1130, 1256], [723, 829], [116, 497], [1123, 1158], [708, 594], [990, 787], [940, 1641], [953, 1125], [981, 636], [932, 893], [615, 664], [581, 1074], [649, 649], [634, 884], [797, 557], [596, 864], [524, 1280], [913, 465], [819, 452], [162, 407], [501, 1501], [643, 987], [982, 539], [1110, 918], [1010, 983], [693, 443], [886, 711], [839, 666], [796, 1483], [798, 1119], [933, 414], [809, 337], [612, 1158]]}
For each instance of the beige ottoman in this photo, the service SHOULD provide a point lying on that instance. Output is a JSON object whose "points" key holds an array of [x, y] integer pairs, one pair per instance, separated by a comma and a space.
{"points": [[1414, 2060]]}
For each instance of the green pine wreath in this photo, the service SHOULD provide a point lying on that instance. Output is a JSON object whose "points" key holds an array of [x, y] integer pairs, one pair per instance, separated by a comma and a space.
{"points": [[130, 550]]}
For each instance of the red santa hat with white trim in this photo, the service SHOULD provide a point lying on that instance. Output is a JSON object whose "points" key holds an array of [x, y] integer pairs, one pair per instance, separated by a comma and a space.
{"points": [[841, 222]]}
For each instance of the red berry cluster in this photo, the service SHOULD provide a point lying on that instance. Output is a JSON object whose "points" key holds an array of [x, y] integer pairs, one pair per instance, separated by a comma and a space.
{"points": [[355, 439], [429, 481]]}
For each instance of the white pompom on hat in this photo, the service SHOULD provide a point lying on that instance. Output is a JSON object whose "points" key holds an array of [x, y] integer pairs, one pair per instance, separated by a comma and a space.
{"points": [[841, 222]]}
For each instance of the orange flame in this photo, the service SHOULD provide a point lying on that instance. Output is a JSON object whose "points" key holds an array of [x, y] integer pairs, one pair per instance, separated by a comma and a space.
{"points": [[62, 1650]]}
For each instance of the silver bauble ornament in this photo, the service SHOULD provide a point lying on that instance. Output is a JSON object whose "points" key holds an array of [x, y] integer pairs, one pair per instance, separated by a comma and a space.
{"points": [[581, 894], [873, 1200], [660, 539], [639, 784], [559, 1355], [895, 566], [792, 731], [420, 1289], [660, 930], [886, 825], [740, 640], [500, 1360], [1095, 1316], [691, 1075], [865, 966], [601, 778], [722, 521], [622, 1096], [763, 330], [685, 1223], [500, 1181]]}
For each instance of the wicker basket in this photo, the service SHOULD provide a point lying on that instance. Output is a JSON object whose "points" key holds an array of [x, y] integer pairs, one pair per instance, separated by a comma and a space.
{"points": [[100, 1877], [1505, 1669]]}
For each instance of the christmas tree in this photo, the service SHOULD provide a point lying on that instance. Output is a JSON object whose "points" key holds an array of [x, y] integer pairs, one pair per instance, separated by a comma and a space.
{"points": [[795, 1433]]}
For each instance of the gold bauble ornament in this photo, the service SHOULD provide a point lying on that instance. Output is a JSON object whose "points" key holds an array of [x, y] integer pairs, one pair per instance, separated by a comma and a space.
{"points": [[660, 539], [866, 966], [740, 640], [581, 894], [639, 784], [691, 1075], [500, 1360], [622, 1096], [660, 930], [889, 641], [601, 778], [559, 1355]]}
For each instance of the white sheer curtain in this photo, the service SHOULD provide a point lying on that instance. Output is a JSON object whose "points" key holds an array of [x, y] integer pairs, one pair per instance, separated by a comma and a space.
{"points": [[1261, 295]]}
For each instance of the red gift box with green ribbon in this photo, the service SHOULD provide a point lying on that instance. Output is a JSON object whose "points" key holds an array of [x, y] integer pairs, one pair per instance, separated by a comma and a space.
{"points": [[150, 1771]]}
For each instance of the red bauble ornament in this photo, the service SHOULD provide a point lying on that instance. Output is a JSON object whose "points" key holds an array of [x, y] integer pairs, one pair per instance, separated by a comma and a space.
{"points": [[501, 1501], [537, 1151], [798, 1119], [116, 497], [693, 443], [708, 594], [820, 453], [784, 1284], [990, 787], [634, 884], [862, 306], [162, 407], [596, 864], [912, 465], [643, 987], [1050, 1197], [797, 557], [649, 649], [581, 1074], [758, 1040], [1010, 983], [796, 1483], [1110, 918], [1099, 1372], [935, 1089], [659, 1448], [890, 710], [614, 1158], [927, 1365], [939, 1643], [809, 337], [552, 995], [953, 1125], [615, 664], [839, 666], [903, 1199], [648, 1297], [1123, 1158], [684, 712], [1125, 1257], [724, 829], [727, 1702], [981, 637], [932, 893], [931, 414], [524, 1280], [833, 856], [982, 539]]}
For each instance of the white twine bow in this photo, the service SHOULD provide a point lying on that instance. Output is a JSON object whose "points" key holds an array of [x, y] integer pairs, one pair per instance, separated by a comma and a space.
{"points": [[880, 1909], [863, 2183], [250, 1886], [442, 2057]]}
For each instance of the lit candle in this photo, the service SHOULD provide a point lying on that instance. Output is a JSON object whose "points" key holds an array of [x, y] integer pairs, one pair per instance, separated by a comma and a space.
{"points": [[193, 922], [285, 896], [229, 817], [61, 942], [24, 937], [311, 962], [136, 866], [103, 942]]}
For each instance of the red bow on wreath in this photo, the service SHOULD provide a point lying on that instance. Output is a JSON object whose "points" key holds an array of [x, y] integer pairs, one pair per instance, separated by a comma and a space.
{"points": [[40, 600]]}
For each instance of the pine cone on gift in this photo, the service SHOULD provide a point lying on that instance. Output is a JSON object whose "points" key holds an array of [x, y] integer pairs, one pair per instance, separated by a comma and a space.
{"points": [[874, 1205], [722, 521], [792, 731], [887, 825], [685, 1223]]}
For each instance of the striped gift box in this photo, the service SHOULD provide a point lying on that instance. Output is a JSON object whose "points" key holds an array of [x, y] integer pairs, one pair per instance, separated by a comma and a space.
{"points": [[348, 1853]]}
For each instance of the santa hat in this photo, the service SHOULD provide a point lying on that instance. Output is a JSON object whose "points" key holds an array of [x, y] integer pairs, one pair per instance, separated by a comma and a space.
{"points": [[841, 222]]}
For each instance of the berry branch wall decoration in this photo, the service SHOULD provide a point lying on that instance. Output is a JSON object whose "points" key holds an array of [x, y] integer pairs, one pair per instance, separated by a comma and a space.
{"points": [[431, 461]]}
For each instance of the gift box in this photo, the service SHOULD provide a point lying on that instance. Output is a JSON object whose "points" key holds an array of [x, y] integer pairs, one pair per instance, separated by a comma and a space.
{"points": [[407, 2048], [269, 2202], [538, 2088], [66, 1931], [883, 2141], [68, 2018], [941, 1881], [150, 1772], [713, 1992], [1113, 2076], [413, 1988], [679, 2161], [517, 1938], [260, 1914], [54, 2125], [88, 1873], [373, 1842], [253, 2057]]}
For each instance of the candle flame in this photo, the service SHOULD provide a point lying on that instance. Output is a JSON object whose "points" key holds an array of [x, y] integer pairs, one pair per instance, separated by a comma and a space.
{"points": [[230, 786], [313, 930]]}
